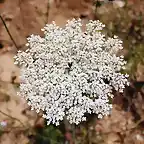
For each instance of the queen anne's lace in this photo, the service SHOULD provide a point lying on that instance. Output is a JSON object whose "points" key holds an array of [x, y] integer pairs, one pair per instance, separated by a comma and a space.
{"points": [[69, 73]]}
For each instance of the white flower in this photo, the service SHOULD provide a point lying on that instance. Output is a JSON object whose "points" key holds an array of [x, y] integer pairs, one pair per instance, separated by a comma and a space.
{"points": [[69, 73], [3, 123]]}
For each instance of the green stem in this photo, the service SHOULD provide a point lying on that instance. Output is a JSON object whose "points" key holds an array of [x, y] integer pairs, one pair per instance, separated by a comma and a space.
{"points": [[73, 134], [48, 9]]}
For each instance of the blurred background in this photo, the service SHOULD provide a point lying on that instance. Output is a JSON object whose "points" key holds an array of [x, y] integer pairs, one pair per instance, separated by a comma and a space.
{"points": [[19, 19]]}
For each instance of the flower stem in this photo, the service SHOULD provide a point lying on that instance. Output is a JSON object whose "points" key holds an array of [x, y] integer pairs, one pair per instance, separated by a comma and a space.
{"points": [[8, 32], [73, 134]]}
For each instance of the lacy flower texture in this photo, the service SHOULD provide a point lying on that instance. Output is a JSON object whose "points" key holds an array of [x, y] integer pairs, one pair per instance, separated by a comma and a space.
{"points": [[69, 72]]}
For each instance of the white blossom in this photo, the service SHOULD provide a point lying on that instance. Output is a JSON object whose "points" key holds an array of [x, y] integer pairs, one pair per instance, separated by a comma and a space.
{"points": [[70, 72], [3, 123]]}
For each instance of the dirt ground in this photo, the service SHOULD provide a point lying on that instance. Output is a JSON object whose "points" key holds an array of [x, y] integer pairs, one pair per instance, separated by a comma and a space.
{"points": [[26, 17]]}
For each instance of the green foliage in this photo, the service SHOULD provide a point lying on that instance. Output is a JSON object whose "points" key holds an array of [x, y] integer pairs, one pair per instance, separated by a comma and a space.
{"points": [[136, 56], [49, 135], [128, 24], [1, 132]]}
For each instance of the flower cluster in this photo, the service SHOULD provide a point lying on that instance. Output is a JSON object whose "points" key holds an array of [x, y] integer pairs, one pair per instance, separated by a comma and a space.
{"points": [[70, 72]]}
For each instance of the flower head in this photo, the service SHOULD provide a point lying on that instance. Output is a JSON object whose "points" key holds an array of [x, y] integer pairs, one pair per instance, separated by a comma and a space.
{"points": [[69, 73]]}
